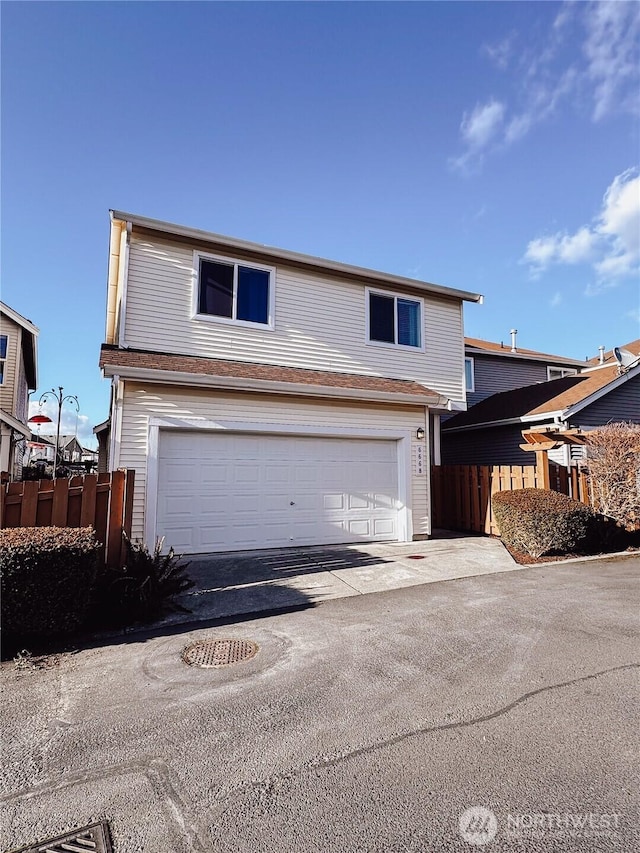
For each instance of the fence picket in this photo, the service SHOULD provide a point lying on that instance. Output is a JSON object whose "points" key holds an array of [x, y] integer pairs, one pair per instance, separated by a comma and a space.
{"points": [[461, 494], [104, 502], [60, 503], [29, 505]]}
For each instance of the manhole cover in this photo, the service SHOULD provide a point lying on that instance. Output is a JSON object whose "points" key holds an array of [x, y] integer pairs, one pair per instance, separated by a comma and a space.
{"points": [[93, 837], [210, 653]]}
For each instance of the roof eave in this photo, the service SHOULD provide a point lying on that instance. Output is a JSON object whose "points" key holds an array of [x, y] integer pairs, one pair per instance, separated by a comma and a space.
{"points": [[293, 257], [297, 389]]}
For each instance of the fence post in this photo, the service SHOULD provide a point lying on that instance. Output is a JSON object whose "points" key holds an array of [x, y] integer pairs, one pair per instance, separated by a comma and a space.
{"points": [[542, 469]]}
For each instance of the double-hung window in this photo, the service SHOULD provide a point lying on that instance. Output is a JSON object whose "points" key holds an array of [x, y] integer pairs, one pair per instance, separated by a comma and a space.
{"points": [[234, 292], [3, 356], [394, 320]]}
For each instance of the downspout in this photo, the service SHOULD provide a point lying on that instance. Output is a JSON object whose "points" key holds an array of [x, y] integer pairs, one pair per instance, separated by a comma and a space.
{"points": [[117, 391], [113, 276]]}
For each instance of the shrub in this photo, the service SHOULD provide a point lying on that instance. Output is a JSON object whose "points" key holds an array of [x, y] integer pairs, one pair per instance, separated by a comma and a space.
{"points": [[144, 587], [613, 463], [46, 578], [536, 521]]}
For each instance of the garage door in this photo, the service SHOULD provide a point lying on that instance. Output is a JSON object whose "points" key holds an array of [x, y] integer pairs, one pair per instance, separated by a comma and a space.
{"points": [[226, 491]]}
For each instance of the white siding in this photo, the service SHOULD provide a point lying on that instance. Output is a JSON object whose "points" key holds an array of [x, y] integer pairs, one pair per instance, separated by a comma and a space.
{"points": [[142, 402], [7, 389], [320, 323]]}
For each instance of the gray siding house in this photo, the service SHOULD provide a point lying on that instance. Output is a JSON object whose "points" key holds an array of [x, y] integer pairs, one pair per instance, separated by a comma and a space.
{"points": [[490, 432]]}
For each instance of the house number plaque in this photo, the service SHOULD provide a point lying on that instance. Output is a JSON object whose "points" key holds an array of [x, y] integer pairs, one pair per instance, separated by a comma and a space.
{"points": [[419, 459]]}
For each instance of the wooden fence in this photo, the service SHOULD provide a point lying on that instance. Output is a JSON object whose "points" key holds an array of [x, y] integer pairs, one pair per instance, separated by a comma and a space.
{"points": [[101, 501], [461, 494]]}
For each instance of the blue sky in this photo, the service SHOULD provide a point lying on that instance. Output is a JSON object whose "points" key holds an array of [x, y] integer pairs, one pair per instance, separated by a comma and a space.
{"points": [[492, 147]]}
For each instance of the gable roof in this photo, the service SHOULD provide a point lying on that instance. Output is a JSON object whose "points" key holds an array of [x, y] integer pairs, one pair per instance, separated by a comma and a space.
{"points": [[29, 344], [189, 370], [478, 346], [545, 400]]}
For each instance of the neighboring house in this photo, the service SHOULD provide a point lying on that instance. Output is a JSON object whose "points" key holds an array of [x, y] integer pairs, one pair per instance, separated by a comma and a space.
{"points": [[101, 432], [269, 398], [494, 367], [42, 448], [491, 431], [18, 376]]}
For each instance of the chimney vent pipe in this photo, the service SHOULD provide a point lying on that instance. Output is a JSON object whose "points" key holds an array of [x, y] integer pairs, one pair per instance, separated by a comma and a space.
{"points": [[514, 332], [601, 351]]}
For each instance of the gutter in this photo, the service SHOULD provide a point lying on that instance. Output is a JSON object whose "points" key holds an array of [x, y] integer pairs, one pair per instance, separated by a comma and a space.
{"points": [[295, 258], [546, 416]]}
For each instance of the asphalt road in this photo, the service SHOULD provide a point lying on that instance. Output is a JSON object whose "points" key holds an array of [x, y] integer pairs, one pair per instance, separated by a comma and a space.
{"points": [[370, 723]]}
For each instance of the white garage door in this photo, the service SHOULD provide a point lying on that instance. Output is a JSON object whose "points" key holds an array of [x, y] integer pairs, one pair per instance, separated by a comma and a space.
{"points": [[228, 491]]}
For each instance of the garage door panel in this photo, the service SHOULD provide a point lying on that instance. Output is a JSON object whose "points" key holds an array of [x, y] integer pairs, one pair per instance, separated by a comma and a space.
{"points": [[226, 491]]}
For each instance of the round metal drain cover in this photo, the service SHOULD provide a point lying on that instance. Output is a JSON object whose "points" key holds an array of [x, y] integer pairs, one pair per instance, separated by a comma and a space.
{"points": [[210, 653]]}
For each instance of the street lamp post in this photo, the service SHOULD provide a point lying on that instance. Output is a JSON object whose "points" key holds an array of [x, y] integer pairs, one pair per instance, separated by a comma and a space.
{"points": [[60, 398]]}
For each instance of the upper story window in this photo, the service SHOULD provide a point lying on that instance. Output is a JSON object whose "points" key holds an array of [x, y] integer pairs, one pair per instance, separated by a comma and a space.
{"points": [[394, 320], [469, 375], [232, 292], [3, 356], [560, 372]]}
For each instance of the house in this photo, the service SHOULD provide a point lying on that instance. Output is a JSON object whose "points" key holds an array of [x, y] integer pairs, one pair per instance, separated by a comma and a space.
{"points": [[493, 367], [42, 448], [268, 398], [18, 376], [607, 389]]}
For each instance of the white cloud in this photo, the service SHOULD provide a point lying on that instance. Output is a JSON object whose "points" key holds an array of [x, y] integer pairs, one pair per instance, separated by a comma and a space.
{"points": [[479, 128], [501, 52], [556, 299], [611, 243], [544, 74], [613, 57], [634, 315]]}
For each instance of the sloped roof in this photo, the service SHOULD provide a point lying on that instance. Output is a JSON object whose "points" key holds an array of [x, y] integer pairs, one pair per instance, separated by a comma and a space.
{"points": [[531, 401], [633, 347], [29, 344], [492, 348], [129, 363], [310, 261]]}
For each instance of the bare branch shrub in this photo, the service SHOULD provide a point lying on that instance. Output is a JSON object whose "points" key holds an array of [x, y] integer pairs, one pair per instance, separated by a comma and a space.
{"points": [[613, 464]]}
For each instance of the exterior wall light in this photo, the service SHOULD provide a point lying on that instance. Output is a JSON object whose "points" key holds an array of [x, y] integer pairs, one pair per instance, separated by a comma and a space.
{"points": [[420, 433]]}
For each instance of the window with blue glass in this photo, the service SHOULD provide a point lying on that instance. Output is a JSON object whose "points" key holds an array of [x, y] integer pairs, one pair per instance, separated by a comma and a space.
{"points": [[234, 291], [395, 320], [3, 356]]}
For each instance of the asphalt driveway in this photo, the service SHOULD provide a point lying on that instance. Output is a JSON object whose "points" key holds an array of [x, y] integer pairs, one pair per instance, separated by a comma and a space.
{"points": [[365, 723]]}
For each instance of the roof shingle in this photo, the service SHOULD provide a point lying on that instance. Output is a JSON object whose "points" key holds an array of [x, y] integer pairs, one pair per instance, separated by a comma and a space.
{"points": [[121, 358]]}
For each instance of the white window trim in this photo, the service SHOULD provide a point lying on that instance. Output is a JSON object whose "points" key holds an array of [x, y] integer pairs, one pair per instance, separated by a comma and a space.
{"points": [[566, 371], [471, 360], [230, 321], [395, 296], [5, 359]]}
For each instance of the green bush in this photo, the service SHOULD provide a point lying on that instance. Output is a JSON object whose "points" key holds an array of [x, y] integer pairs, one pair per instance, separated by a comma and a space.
{"points": [[143, 588], [538, 521], [46, 579]]}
